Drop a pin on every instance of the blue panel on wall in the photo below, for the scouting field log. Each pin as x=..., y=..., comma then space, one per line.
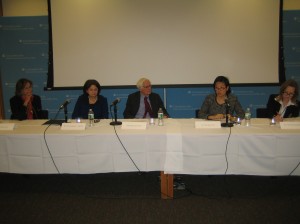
x=24, y=53
x=291, y=35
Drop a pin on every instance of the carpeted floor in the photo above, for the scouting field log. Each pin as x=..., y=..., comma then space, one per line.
x=135, y=198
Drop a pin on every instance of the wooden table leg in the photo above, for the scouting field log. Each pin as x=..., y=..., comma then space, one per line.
x=166, y=185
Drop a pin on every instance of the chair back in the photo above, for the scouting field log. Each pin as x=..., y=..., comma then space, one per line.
x=196, y=113
x=261, y=113
x=44, y=114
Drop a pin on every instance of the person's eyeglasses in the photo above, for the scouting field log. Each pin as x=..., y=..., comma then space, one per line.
x=146, y=87
x=288, y=94
x=221, y=88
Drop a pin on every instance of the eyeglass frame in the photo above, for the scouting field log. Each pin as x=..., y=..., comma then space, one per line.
x=289, y=94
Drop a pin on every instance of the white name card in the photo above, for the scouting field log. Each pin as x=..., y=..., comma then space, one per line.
x=134, y=125
x=73, y=126
x=289, y=125
x=207, y=124
x=7, y=126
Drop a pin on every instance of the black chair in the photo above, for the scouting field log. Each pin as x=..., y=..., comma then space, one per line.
x=196, y=113
x=43, y=114
x=262, y=113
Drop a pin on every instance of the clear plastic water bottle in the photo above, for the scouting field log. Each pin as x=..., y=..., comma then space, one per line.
x=91, y=117
x=248, y=117
x=160, y=117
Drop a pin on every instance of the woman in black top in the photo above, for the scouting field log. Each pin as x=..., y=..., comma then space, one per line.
x=91, y=99
x=25, y=105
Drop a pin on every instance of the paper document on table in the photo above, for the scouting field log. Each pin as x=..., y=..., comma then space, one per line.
x=7, y=126
x=73, y=126
x=207, y=124
x=134, y=125
x=289, y=125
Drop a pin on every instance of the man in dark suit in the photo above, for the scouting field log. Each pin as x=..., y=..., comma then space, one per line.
x=144, y=103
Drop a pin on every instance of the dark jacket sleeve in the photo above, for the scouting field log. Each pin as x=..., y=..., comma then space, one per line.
x=18, y=110
x=132, y=105
x=101, y=109
x=273, y=106
x=81, y=107
x=292, y=110
x=156, y=103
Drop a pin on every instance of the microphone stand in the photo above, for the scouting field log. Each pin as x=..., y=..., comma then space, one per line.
x=227, y=124
x=115, y=115
x=66, y=113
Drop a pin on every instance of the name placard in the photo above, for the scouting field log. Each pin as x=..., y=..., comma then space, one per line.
x=290, y=125
x=73, y=126
x=134, y=125
x=207, y=124
x=7, y=126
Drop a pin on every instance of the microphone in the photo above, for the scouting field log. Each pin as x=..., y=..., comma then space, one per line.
x=115, y=122
x=115, y=102
x=227, y=106
x=227, y=103
x=65, y=103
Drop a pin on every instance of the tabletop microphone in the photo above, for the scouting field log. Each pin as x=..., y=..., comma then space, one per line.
x=227, y=103
x=227, y=123
x=65, y=103
x=116, y=101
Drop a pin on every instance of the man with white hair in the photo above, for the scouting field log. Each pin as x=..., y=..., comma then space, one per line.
x=144, y=103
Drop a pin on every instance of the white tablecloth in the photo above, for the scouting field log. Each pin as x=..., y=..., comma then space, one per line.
x=177, y=147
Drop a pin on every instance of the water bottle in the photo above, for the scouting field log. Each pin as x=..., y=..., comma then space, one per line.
x=91, y=117
x=248, y=117
x=160, y=116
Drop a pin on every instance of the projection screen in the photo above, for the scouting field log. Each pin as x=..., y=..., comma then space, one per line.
x=172, y=42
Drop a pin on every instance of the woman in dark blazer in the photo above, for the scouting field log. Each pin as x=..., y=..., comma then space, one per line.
x=285, y=104
x=91, y=99
x=25, y=105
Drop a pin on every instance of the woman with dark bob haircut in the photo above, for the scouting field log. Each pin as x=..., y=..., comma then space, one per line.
x=91, y=99
x=214, y=106
x=25, y=105
x=285, y=104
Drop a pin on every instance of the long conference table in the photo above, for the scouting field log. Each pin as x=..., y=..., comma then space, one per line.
x=175, y=148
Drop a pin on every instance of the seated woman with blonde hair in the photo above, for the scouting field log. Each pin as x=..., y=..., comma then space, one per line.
x=284, y=104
